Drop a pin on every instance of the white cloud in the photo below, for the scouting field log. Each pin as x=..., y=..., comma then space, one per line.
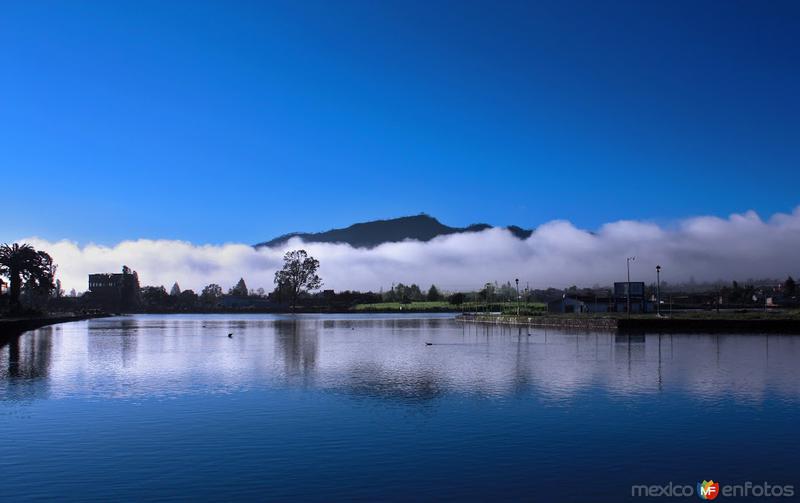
x=557, y=254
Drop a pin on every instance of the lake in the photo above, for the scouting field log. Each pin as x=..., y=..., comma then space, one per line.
x=386, y=407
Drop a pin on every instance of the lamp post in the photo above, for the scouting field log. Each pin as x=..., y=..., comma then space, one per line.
x=658, y=291
x=518, y=299
x=628, y=289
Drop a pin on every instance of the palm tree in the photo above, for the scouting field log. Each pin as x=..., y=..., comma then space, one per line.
x=18, y=262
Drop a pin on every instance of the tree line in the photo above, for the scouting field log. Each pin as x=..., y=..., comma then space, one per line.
x=32, y=286
x=295, y=280
x=31, y=276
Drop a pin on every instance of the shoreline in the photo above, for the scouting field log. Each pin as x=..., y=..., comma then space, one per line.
x=296, y=311
x=10, y=328
x=789, y=326
x=14, y=327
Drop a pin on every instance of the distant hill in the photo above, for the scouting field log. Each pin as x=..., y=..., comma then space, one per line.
x=370, y=234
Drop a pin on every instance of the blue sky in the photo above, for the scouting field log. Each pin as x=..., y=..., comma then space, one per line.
x=237, y=121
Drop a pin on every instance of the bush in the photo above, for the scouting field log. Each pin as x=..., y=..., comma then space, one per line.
x=457, y=299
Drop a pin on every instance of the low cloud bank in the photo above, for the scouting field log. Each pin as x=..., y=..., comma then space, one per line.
x=558, y=254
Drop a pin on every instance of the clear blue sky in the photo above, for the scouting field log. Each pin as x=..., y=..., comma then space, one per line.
x=238, y=121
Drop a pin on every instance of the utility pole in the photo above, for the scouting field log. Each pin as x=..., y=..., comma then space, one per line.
x=527, y=292
x=658, y=291
x=518, y=298
x=628, y=289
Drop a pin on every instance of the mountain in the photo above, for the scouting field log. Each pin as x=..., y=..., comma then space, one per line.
x=370, y=234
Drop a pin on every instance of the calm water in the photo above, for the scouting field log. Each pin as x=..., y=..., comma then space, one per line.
x=323, y=408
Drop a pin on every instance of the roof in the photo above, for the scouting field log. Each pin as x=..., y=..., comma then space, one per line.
x=586, y=299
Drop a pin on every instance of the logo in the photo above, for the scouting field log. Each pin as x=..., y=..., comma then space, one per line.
x=708, y=490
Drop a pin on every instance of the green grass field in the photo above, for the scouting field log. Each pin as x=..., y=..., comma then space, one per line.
x=439, y=306
x=414, y=306
x=711, y=314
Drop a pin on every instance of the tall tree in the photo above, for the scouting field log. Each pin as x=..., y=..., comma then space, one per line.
x=211, y=293
x=789, y=286
x=433, y=294
x=457, y=298
x=400, y=293
x=299, y=274
x=39, y=284
x=240, y=290
x=21, y=263
x=155, y=297
x=187, y=299
x=487, y=293
x=280, y=294
x=58, y=292
x=175, y=290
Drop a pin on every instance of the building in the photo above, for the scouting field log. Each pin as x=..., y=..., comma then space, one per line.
x=115, y=291
x=613, y=302
x=106, y=283
x=580, y=304
x=639, y=304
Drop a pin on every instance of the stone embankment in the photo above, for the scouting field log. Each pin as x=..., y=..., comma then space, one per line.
x=781, y=325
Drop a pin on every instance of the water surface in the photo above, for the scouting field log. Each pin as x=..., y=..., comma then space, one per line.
x=361, y=407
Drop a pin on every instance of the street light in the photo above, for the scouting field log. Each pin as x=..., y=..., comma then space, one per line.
x=658, y=290
x=517, y=282
x=628, y=261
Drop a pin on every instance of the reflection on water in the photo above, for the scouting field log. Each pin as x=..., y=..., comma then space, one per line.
x=25, y=365
x=28, y=357
x=383, y=357
x=381, y=407
x=298, y=346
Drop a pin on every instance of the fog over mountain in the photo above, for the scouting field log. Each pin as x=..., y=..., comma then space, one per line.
x=556, y=254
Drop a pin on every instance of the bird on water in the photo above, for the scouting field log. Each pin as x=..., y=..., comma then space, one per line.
x=230, y=336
